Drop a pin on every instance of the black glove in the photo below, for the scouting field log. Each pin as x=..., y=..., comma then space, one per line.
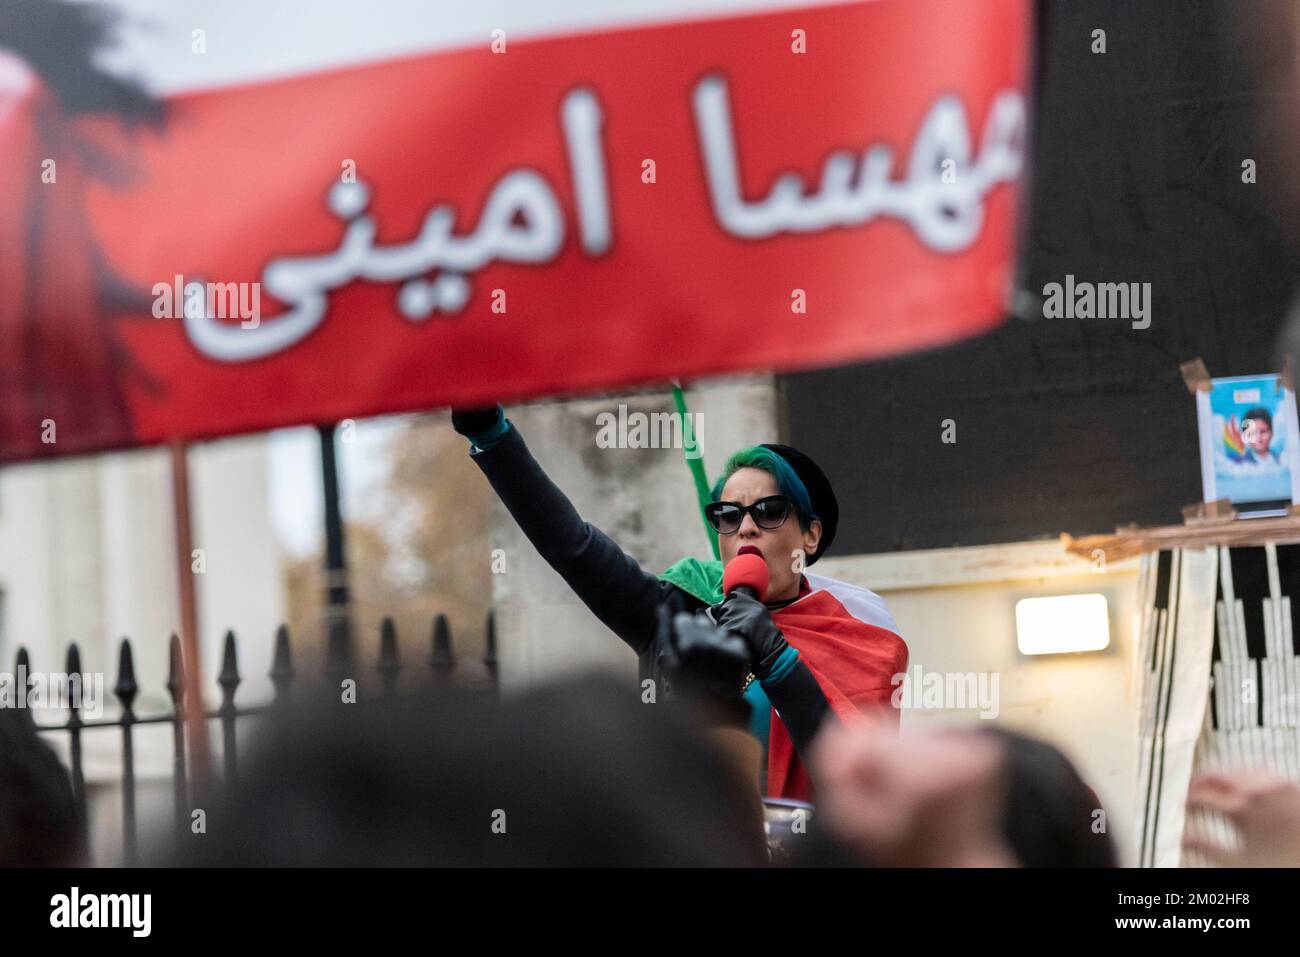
x=749, y=618
x=702, y=660
x=471, y=422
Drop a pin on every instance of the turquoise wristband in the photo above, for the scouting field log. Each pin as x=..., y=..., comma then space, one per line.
x=784, y=665
x=485, y=440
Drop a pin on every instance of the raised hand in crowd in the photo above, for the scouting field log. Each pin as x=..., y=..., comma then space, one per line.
x=1264, y=808
x=927, y=799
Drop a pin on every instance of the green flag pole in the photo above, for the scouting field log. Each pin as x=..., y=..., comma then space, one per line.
x=695, y=462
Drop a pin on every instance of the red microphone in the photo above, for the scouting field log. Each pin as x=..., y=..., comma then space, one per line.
x=747, y=571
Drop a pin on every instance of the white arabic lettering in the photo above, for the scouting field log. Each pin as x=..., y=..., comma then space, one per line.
x=946, y=216
x=306, y=281
x=582, y=120
x=523, y=222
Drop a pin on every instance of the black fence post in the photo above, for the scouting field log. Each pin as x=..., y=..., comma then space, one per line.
x=126, y=689
x=22, y=681
x=73, y=726
x=442, y=660
x=281, y=672
x=229, y=681
x=176, y=688
x=490, y=648
x=389, y=665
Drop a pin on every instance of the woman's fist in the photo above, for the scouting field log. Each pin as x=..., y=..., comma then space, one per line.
x=471, y=422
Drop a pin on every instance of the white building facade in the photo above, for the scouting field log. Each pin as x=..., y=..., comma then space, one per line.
x=87, y=555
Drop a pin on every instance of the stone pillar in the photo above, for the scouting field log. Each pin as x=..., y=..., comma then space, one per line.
x=643, y=498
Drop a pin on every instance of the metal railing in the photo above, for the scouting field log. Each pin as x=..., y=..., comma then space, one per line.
x=338, y=665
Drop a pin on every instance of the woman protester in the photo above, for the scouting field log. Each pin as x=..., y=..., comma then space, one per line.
x=817, y=645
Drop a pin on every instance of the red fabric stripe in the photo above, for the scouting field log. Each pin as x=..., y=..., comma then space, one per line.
x=852, y=661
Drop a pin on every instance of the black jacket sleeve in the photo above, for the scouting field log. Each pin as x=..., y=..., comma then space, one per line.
x=802, y=705
x=616, y=589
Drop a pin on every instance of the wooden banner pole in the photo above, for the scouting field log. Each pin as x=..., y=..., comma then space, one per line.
x=195, y=719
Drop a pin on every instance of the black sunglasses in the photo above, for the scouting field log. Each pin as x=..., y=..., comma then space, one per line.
x=768, y=513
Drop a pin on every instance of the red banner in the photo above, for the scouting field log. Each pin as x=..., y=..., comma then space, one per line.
x=774, y=191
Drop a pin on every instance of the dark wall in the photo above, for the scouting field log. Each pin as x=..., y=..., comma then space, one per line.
x=1081, y=425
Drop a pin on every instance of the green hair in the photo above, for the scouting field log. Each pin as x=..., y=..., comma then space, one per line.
x=788, y=482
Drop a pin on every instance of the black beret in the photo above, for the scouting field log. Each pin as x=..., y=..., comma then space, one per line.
x=819, y=493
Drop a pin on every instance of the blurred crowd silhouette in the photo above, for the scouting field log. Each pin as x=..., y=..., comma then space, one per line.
x=583, y=773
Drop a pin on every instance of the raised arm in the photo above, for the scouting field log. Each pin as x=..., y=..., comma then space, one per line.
x=609, y=582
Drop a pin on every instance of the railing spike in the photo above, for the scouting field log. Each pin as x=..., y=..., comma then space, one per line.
x=229, y=681
x=23, y=666
x=73, y=668
x=281, y=664
x=126, y=688
x=389, y=664
x=74, y=725
x=176, y=688
x=442, y=659
x=229, y=677
x=175, y=671
x=490, y=645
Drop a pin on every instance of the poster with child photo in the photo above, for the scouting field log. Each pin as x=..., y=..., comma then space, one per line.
x=1249, y=444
